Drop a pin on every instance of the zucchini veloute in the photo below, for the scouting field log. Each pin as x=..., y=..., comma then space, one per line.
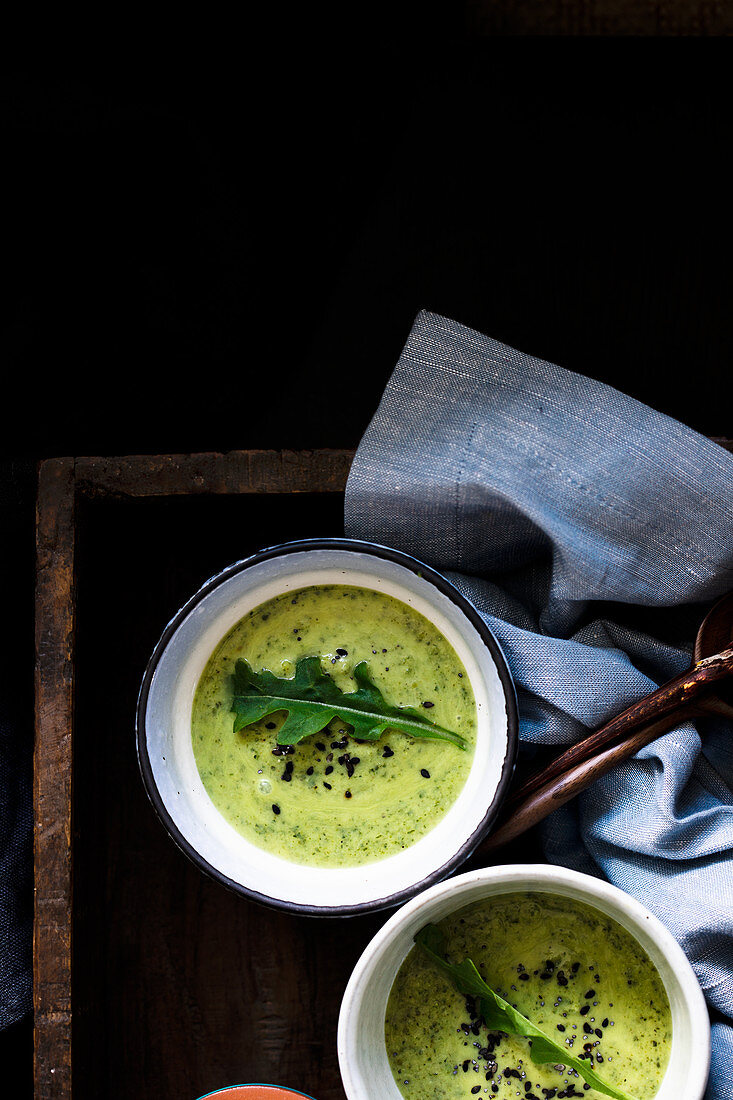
x=327, y=726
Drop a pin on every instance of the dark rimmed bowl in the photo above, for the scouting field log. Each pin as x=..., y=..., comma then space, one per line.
x=165, y=750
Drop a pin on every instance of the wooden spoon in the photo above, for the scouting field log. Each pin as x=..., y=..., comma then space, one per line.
x=699, y=691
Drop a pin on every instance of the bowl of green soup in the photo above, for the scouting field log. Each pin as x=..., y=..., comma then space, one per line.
x=523, y=980
x=327, y=726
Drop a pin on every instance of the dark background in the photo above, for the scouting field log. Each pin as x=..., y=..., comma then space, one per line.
x=201, y=258
x=223, y=243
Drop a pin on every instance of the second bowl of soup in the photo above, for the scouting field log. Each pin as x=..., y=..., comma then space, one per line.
x=531, y=981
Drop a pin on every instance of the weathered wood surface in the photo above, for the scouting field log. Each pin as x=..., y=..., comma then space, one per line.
x=599, y=17
x=52, y=778
x=257, y=471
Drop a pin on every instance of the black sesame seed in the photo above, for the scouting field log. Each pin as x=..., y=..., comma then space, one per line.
x=347, y=794
x=309, y=771
x=327, y=785
x=329, y=769
x=585, y=1010
x=387, y=752
x=342, y=652
x=286, y=777
x=320, y=746
x=425, y=773
x=604, y=1023
x=428, y=705
x=591, y=993
x=561, y=1027
x=275, y=808
x=599, y=1033
x=476, y=1088
x=524, y=977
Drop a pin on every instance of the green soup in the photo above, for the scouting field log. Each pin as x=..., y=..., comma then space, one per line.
x=572, y=971
x=330, y=800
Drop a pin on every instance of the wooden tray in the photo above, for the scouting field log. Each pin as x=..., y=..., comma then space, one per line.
x=149, y=978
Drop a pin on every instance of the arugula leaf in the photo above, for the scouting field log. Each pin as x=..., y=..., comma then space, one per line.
x=312, y=699
x=499, y=1015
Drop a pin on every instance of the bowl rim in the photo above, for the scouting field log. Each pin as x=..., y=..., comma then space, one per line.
x=448, y=589
x=535, y=877
x=282, y=1091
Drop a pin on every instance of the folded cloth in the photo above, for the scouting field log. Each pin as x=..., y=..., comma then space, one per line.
x=591, y=533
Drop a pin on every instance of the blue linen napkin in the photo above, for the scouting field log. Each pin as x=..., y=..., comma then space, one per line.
x=561, y=507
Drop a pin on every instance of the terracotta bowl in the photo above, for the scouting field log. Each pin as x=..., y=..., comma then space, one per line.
x=255, y=1092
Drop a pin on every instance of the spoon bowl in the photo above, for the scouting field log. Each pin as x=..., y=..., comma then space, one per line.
x=714, y=636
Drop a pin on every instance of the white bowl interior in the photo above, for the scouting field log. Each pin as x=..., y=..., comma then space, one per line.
x=170, y=750
x=362, y=1054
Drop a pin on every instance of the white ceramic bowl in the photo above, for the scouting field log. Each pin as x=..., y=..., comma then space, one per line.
x=362, y=1054
x=165, y=751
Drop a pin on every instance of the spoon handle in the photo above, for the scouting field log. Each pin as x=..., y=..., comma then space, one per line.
x=665, y=702
x=558, y=790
